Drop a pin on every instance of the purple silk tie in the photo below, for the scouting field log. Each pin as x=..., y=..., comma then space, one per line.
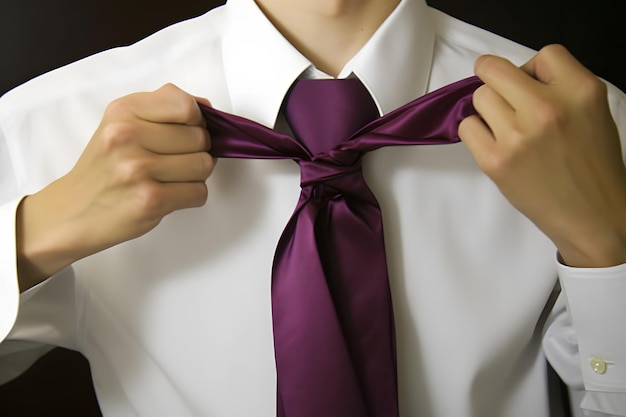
x=334, y=338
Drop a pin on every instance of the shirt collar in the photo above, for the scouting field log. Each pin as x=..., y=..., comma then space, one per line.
x=260, y=64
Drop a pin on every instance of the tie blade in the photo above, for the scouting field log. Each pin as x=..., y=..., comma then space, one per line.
x=315, y=375
x=333, y=320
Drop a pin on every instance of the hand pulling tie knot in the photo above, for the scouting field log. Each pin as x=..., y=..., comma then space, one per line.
x=334, y=337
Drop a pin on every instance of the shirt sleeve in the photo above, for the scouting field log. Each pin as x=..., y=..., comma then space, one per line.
x=42, y=316
x=9, y=201
x=15, y=356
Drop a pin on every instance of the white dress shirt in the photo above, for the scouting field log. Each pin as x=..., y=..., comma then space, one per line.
x=178, y=322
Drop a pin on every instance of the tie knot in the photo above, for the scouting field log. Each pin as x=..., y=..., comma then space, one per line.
x=324, y=113
x=322, y=181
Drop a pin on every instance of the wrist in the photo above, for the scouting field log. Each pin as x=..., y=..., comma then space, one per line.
x=599, y=251
x=47, y=239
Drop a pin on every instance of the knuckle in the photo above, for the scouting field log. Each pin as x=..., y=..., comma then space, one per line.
x=489, y=166
x=188, y=107
x=591, y=90
x=479, y=95
x=131, y=170
x=169, y=88
x=197, y=139
x=482, y=98
x=116, y=135
x=549, y=116
x=203, y=138
x=553, y=49
x=499, y=163
x=518, y=138
x=464, y=128
x=149, y=200
x=201, y=195
x=206, y=164
x=494, y=165
x=184, y=104
x=119, y=107
x=468, y=127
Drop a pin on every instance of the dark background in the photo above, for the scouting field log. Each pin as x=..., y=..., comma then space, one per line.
x=39, y=35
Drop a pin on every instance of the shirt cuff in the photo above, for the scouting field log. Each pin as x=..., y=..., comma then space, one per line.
x=9, y=287
x=596, y=300
x=604, y=404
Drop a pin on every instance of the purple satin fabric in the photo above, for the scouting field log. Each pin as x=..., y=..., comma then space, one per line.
x=331, y=304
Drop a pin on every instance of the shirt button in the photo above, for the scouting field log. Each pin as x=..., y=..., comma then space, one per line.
x=598, y=365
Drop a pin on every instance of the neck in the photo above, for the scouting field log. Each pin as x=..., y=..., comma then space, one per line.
x=328, y=32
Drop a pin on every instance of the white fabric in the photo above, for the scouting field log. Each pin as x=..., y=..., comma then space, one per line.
x=177, y=322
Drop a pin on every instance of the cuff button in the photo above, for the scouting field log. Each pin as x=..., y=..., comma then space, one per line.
x=598, y=365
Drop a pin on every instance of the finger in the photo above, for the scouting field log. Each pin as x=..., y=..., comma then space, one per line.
x=177, y=196
x=182, y=168
x=160, y=138
x=478, y=138
x=168, y=104
x=496, y=112
x=174, y=139
x=554, y=64
x=516, y=86
x=203, y=101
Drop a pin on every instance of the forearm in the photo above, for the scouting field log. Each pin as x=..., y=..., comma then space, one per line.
x=44, y=243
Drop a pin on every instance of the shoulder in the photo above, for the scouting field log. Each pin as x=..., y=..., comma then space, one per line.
x=473, y=40
x=464, y=42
